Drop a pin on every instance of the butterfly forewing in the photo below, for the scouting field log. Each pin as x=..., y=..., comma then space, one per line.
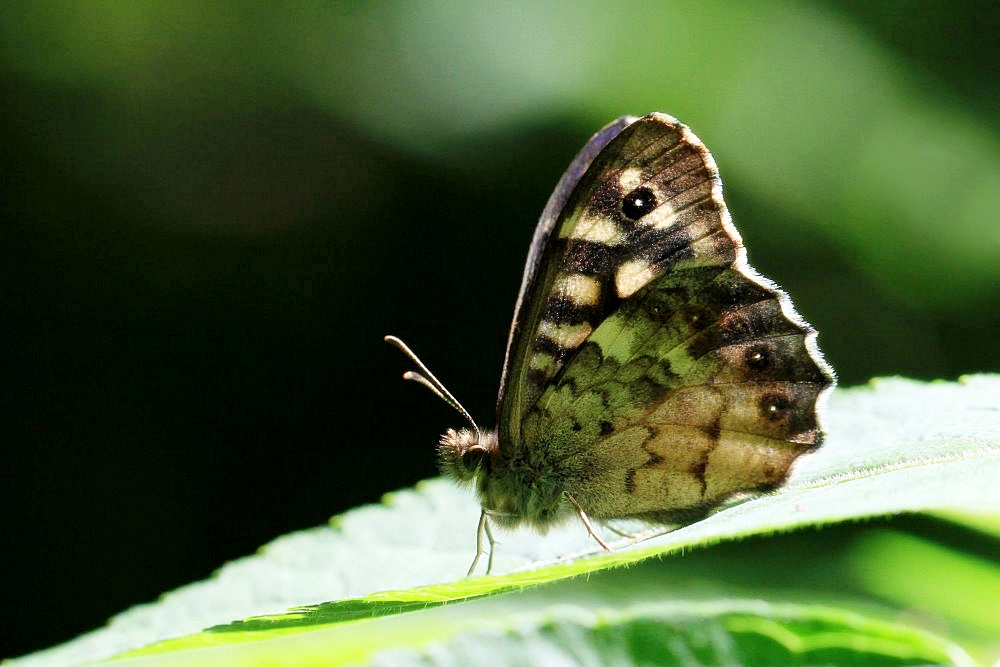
x=658, y=372
x=646, y=203
x=516, y=393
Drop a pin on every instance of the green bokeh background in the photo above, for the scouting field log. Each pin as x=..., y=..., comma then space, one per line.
x=214, y=212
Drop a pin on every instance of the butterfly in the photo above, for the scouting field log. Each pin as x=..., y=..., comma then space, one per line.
x=650, y=372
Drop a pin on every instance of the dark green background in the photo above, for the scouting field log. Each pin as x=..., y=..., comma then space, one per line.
x=213, y=214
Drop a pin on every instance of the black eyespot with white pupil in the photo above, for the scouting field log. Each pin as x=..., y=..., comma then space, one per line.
x=638, y=203
x=758, y=357
x=774, y=407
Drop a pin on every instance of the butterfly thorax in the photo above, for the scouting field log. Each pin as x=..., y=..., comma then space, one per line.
x=513, y=490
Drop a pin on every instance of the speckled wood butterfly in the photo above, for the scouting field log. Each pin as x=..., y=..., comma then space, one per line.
x=651, y=373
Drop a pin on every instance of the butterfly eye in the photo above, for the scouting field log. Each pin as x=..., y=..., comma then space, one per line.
x=638, y=203
x=473, y=458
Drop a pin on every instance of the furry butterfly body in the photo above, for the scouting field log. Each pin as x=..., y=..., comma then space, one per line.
x=650, y=373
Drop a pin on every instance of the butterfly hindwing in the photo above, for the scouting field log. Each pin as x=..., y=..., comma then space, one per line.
x=674, y=416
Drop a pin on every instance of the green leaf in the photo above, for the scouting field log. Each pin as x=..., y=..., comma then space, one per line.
x=895, y=446
x=727, y=631
x=964, y=586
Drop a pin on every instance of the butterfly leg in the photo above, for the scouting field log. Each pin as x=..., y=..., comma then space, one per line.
x=484, y=528
x=630, y=536
x=586, y=521
x=493, y=542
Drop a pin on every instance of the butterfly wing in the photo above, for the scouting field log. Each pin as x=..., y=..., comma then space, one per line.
x=653, y=367
x=516, y=392
x=569, y=279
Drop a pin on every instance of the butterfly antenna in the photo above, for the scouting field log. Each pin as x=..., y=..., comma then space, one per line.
x=426, y=378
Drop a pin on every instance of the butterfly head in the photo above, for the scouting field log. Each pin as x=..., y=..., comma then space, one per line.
x=466, y=453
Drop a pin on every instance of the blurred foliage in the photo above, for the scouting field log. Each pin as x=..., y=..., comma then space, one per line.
x=214, y=211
